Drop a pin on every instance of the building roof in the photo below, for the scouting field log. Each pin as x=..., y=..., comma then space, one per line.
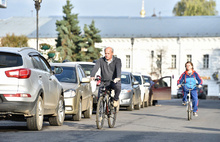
x=120, y=27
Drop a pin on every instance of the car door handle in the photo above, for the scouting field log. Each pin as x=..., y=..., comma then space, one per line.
x=40, y=76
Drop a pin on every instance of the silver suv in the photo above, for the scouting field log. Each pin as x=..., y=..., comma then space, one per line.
x=28, y=88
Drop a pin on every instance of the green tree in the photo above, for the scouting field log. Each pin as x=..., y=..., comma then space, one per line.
x=14, y=41
x=91, y=37
x=69, y=41
x=195, y=8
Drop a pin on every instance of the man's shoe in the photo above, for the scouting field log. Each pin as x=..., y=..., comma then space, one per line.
x=116, y=103
x=184, y=103
x=195, y=114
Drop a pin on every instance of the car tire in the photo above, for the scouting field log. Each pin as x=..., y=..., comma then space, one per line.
x=60, y=114
x=143, y=103
x=138, y=106
x=88, y=112
x=36, y=122
x=131, y=106
x=78, y=116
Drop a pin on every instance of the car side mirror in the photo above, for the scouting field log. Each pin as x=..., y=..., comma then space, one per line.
x=57, y=70
x=135, y=83
x=85, y=80
x=147, y=84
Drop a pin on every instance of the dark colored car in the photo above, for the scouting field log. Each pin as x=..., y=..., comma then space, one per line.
x=202, y=93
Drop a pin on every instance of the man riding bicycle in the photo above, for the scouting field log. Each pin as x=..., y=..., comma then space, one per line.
x=189, y=78
x=110, y=70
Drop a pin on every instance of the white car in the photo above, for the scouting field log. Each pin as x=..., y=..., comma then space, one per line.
x=144, y=86
x=29, y=89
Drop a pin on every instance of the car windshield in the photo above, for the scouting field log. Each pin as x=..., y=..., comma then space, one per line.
x=146, y=79
x=138, y=78
x=125, y=79
x=10, y=60
x=68, y=75
x=87, y=68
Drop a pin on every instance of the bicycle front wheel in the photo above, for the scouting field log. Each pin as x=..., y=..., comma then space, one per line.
x=100, y=113
x=189, y=111
x=112, y=114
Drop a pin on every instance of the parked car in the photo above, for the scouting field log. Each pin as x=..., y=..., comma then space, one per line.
x=144, y=86
x=130, y=96
x=88, y=67
x=148, y=79
x=28, y=88
x=202, y=93
x=77, y=90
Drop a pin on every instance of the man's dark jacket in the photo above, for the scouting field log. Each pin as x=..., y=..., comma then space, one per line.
x=108, y=71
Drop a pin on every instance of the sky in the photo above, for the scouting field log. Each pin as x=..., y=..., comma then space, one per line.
x=131, y=8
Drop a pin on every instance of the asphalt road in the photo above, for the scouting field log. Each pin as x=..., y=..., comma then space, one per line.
x=164, y=123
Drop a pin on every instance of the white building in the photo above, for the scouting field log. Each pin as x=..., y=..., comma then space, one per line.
x=172, y=40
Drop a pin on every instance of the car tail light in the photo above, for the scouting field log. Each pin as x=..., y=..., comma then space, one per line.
x=19, y=73
x=23, y=95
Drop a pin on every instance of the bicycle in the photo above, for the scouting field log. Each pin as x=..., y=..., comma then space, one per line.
x=189, y=106
x=105, y=108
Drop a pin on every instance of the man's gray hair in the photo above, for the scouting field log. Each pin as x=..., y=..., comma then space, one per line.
x=109, y=47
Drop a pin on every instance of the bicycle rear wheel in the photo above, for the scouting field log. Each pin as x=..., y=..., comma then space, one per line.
x=100, y=113
x=112, y=114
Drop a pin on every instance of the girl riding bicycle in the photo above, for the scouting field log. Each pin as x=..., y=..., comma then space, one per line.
x=189, y=78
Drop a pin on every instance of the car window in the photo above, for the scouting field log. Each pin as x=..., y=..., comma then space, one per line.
x=68, y=75
x=80, y=74
x=10, y=60
x=45, y=65
x=125, y=79
x=164, y=82
x=138, y=78
x=36, y=62
x=87, y=68
x=146, y=79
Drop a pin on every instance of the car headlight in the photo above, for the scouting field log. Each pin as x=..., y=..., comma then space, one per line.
x=125, y=91
x=69, y=93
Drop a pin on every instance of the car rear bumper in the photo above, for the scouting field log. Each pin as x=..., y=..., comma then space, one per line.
x=15, y=107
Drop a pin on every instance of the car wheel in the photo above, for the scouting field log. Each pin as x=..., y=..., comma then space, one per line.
x=78, y=116
x=88, y=112
x=138, y=106
x=142, y=103
x=131, y=106
x=36, y=122
x=60, y=114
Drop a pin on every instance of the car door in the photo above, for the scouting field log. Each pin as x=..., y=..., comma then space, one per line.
x=82, y=88
x=136, y=89
x=54, y=91
x=162, y=89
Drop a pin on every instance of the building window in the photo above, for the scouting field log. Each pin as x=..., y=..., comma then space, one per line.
x=173, y=61
x=128, y=61
x=189, y=58
x=206, y=61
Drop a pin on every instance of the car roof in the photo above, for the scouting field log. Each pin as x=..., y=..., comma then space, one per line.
x=137, y=74
x=15, y=49
x=68, y=64
x=88, y=63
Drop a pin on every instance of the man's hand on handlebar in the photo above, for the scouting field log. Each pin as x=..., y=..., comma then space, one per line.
x=179, y=85
x=116, y=80
x=92, y=78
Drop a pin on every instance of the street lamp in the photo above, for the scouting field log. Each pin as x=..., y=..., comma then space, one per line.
x=37, y=7
x=132, y=43
x=178, y=42
x=152, y=58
